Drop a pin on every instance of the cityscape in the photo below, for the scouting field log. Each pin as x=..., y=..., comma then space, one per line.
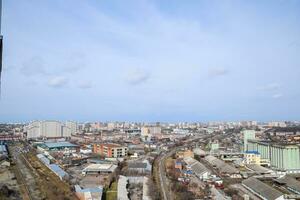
x=149, y=100
x=133, y=160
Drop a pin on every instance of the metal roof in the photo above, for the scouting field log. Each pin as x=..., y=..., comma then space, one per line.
x=221, y=165
x=258, y=168
x=57, y=170
x=291, y=183
x=59, y=144
x=197, y=167
x=261, y=188
x=3, y=148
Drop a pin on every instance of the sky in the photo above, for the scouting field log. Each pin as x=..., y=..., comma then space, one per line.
x=150, y=60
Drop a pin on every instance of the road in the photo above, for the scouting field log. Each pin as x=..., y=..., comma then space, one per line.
x=162, y=175
x=24, y=174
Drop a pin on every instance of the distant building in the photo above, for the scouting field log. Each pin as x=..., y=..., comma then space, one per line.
x=147, y=132
x=283, y=157
x=252, y=157
x=185, y=154
x=72, y=126
x=248, y=134
x=277, y=124
x=49, y=129
x=110, y=150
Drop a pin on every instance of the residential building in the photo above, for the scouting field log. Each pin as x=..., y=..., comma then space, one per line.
x=110, y=150
x=49, y=129
x=147, y=132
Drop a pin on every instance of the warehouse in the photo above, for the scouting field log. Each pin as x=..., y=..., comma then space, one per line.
x=223, y=167
x=290, y=183
x=259, y=169
x=198, y=168
x=262, y=190
x=58, y=146
x=99, y=169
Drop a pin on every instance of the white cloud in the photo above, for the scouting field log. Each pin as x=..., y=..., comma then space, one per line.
x=277, y=96
x=85, y=85
x=270, y=87
x=137, y=76
x=218, y=72
x=58, y=82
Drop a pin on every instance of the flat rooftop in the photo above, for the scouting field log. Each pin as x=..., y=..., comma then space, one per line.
x=59, y=144
x=100, y=167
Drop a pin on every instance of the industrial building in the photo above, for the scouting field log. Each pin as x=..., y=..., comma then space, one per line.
x=290, y=183
x=198, y=168
x=223, y=167
x=282, y=157
x=99, y=169
x=262, y=190
x=248, y=134
x=50, y=129
x=94, y=193
x=140, y=167
x=110, y=150
x=53, y=167
x=58, y=146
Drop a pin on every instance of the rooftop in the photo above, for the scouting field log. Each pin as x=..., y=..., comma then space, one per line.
x=290, y=182
x=100, y=167
x=252, y=152
x=59, y=144
x=261, y=188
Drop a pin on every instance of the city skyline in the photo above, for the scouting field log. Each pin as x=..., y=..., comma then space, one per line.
x=150, y=61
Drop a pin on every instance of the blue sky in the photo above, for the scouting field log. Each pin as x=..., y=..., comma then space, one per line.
x=151, y=60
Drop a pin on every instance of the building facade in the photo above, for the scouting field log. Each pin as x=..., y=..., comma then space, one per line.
x=248, y=134
x=282, y=157
x=49, y=129
x=110, y=150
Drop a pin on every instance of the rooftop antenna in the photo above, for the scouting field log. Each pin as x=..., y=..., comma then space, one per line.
x=1, y=44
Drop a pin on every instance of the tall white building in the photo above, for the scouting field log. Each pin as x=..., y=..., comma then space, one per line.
x=248, y=135
x=72, y=126
x=49, y=129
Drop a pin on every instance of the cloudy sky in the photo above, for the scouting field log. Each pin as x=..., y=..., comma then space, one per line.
x=140, y=60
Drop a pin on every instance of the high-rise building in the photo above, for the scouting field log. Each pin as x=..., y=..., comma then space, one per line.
x=72, y=126
x=49, y=129
x=147, y=132
x=248, y=134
